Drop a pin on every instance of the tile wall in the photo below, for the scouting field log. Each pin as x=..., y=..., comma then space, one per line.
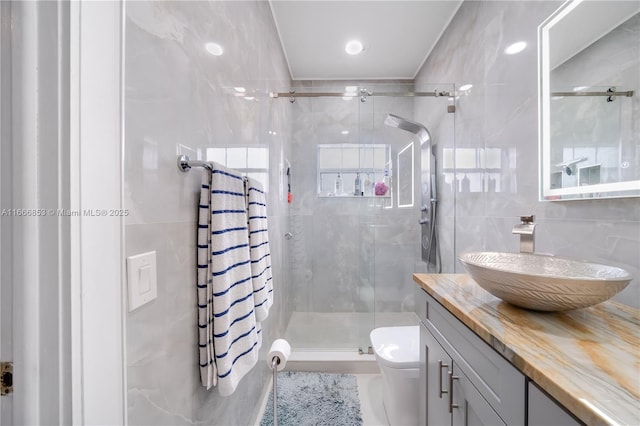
x=180, y=99
x=498, y=117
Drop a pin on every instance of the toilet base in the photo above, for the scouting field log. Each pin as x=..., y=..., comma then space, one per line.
x=400, y=395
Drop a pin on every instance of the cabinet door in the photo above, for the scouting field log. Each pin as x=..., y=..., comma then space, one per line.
x=468, y=407
x=544, y=411
x=434, y=368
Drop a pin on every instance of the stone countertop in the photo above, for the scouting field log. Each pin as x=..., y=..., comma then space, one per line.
x=587, y=359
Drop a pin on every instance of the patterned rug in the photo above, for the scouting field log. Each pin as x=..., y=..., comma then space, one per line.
x=306, y=399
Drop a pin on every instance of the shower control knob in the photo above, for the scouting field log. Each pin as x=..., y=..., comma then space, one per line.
x=423, y=221
x=424, y=208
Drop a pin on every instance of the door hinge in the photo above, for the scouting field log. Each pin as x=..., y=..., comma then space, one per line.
x=6, y=378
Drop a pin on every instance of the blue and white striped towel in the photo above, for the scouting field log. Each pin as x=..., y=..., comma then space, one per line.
x=261, y=274
x=230, y=307
x=208, y=372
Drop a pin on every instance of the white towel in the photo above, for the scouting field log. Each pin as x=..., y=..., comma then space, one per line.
x=261, y=275
x=234, y=331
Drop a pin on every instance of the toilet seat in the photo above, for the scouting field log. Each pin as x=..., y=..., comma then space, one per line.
x=397, y=347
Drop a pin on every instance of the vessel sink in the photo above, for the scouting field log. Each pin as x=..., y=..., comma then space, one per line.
x=544, y=282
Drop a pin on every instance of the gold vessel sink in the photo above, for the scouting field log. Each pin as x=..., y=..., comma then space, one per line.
x=544, y=282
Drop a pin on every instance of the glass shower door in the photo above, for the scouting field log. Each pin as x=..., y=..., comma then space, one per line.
x=354, y=249
x=331, y=250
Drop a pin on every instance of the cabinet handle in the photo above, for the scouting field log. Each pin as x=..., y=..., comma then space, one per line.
x=441, y=365
x=451, y=379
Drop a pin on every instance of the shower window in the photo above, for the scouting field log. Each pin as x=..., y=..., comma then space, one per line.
x=354, y=170
x=487, y=169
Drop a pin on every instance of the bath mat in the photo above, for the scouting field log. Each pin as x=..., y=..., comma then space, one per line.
x=306, y=399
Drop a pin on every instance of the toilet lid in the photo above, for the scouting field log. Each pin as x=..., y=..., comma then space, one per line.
x=397, y=347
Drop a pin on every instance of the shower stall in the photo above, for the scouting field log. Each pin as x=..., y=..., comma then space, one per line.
x=364, y=206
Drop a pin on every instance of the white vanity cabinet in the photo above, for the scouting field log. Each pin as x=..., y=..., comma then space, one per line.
x=463, y=380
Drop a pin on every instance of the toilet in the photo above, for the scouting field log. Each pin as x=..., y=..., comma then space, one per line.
x=397, y=351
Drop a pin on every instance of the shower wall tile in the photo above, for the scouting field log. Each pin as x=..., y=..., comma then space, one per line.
x=181, y=100
x=500, y=112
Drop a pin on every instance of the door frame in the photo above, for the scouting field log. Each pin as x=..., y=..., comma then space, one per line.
x=6, y=306
x=96, y=147
x=65, y=152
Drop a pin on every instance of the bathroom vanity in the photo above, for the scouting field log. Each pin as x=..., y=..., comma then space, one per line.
x=484, y=361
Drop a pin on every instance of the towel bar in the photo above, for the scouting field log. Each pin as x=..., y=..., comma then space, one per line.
x=185, y=164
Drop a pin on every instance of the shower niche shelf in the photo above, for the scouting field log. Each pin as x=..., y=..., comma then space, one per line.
x=341, y=165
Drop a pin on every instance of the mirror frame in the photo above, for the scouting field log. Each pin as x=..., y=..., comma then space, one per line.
x=606, y=190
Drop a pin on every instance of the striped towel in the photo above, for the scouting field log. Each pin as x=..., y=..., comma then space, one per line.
x=225, y=307
x=208, y=372
x=261, y=274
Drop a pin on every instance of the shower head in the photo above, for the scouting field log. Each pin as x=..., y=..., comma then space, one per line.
x=410, y=126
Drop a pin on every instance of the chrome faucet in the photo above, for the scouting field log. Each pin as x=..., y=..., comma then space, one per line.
x=526, y=231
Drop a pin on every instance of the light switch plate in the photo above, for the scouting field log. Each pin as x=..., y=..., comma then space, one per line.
x=141, y=279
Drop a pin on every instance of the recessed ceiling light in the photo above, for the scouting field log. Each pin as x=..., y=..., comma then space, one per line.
x=214, y=48
x=516, y=47
x=353, y=47
x=345, y=132
x=465, y=87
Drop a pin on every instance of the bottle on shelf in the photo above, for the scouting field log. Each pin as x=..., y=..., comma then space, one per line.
x=339, y=185
x=358, y=186
x=368, y=186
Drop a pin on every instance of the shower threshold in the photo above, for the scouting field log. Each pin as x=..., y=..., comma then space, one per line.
x=333, y=362
x=329, y=341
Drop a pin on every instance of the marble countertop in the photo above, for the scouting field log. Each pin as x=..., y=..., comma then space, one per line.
x=587, y=359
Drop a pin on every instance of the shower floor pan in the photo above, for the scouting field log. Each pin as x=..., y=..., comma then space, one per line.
x=329, y=342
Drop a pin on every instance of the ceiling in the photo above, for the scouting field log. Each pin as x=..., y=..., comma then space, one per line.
x=397, y=36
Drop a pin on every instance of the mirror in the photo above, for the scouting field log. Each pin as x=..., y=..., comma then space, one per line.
x=589, y=100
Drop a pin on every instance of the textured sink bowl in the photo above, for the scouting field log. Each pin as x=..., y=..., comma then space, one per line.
x=543, y=282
